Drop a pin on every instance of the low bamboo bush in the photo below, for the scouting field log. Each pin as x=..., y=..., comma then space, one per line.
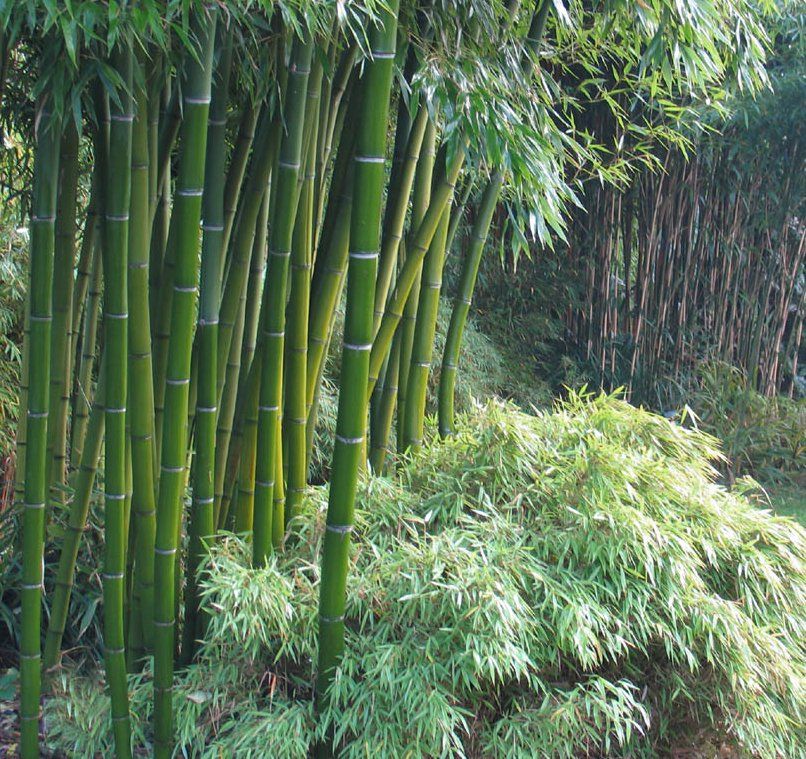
x=762, y=436
x=569, y=583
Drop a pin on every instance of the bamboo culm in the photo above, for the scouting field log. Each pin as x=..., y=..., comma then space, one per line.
x=187, y=212
x=273, y=327
x=358, y=332
x=115, y=254
x=43, y=217
x=461, y=306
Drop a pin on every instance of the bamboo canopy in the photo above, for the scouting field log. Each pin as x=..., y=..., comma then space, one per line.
x=212, y=181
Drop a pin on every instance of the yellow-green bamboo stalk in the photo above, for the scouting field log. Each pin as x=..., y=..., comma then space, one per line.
x=187, y=210
x=285, y=187
x=352, y=415
x=115, y=253
x=43, y=218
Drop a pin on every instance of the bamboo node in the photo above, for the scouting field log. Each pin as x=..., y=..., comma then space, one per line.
x=331, y=620
x=117, y=217
x=115, y=496
x=175, y=382
x=112, y=575
x=37, y=414
x=341, y=529
x=165, y=551
x=350, y=440
x=364, y=254
x=268, y=409
x=358, y=346
x=190, y=192
x=370, y=159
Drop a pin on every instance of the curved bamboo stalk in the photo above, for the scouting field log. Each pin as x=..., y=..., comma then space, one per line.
x=76, y=522
x=423, y=342
x=443, y=189
x=461, y=306
x=422, y=196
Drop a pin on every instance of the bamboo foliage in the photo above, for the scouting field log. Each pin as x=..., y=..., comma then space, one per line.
x=238, y=198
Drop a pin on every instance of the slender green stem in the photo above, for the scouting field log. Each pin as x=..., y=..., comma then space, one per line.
x=202, y=527
x=423, y=343
x=461, y=305
x=60, y=353
x=352, y=415
x=76, y=522
x=187, y=211
x=43, y=217
x=141, y=388
x=280, y=238
x=115, y=253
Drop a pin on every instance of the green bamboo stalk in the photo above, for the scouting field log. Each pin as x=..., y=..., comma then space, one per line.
x=233, y=389
x=470, y=268
x=243, y=237
x=461, y=305
x=422, y=196
x=141, y=388
x=288, y=169
x=115, y=255
x=202, y=527
x=77, y=519
x=386, y=408
x=237, y=169
x=295, y=409
x=352, y=414
x=397, y=206
x=20, y=440
x=43, y=217
x=424, y=330
x=85, y=259
x=61, y=342
x=296, y=358
x=89, y=338
x=187, y=210
x=441, y=194
x=244, y=512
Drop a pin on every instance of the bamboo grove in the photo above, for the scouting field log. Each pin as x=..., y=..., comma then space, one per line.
x=702, y=260
x=211, y=183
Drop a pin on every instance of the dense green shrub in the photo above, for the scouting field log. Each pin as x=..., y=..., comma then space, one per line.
x=762, y=436
x=553, y=585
